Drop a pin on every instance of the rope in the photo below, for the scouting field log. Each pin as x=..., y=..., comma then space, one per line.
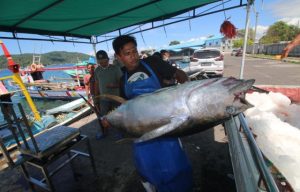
x=190, y=22
x=107, y=47
x=165, y=28
x=224, y=10
x=142, y=36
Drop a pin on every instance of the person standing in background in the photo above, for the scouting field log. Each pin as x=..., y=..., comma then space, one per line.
x=5, y=96
x=87, y=80
x=107, y=78
x=37, y=71
x=165, y=56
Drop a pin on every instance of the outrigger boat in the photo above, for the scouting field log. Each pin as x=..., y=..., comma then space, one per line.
x=62, y=89
x=55, y=91
x=57, y=88
x=62, y=115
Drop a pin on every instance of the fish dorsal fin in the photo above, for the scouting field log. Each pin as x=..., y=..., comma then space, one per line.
x=175, y=122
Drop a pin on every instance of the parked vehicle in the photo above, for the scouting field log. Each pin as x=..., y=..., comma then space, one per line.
x=210, y=60
x=185, y=59
x=233, y=52
x=239, y=53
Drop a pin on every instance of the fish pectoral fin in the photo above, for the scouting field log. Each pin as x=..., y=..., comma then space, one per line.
x=175, y=122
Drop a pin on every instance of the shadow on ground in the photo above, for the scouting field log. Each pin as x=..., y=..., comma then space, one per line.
x=207, y=151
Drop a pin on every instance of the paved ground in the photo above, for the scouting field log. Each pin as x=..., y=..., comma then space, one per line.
x=264, y=71
x=208, y=151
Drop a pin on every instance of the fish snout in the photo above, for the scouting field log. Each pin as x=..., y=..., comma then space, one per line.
x=239, y=91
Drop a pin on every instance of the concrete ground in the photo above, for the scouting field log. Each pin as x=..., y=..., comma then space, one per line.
x=207, y=151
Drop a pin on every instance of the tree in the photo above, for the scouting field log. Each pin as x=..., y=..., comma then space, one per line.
x=280, y=31
x=241, y=33
x=55, y=57
x=174, y=43
x=240, y=42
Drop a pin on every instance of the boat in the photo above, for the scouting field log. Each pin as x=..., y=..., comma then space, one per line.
x=54, y=88
x=62, y=115
x=80, y=68
x=55, y=91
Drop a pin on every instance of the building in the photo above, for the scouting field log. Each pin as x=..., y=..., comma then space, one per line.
x=219, y=42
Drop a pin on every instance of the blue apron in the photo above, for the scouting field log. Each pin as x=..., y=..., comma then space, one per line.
x=142, y=86
x=161, y=161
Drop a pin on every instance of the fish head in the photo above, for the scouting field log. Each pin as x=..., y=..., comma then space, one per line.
x=238, y=89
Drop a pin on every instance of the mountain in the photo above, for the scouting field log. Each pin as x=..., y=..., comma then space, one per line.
x=55, y=57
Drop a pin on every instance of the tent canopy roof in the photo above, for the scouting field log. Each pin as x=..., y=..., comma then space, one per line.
x=87, y=18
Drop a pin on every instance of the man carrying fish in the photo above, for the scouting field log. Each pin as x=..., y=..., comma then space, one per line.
x=155, y=116
x=161, y=162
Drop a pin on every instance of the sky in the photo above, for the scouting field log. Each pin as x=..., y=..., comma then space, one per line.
x=269, y=11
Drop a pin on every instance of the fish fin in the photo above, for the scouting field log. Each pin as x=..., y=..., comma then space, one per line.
x=175, y=122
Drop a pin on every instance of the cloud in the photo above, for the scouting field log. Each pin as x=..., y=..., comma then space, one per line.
x=194, y=39
x=284, y=8
x=91, y=53
x=292, y=21
x=260, y=30
x=146, y=48
x=110, y=52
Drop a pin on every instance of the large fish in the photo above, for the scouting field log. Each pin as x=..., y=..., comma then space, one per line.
x=183, y=109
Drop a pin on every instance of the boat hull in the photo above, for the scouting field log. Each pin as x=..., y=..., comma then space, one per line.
x=57, y=94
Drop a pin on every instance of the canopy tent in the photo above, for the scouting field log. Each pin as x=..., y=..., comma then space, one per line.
x=68, y=20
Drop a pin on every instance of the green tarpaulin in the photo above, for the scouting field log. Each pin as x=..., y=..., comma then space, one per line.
x=86, y=18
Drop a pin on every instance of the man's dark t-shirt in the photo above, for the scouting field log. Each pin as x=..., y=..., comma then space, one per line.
x=37, y=75
x=162, y=69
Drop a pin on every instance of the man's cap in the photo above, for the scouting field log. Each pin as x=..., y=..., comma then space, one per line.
x=101, y=55
x=163, y=51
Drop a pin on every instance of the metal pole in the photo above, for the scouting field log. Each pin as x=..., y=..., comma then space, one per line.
x=255, y=32
x=269, y=180
x=245, y=40
x=94, y=42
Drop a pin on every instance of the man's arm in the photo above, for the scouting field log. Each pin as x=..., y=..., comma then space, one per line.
x=167, y=71
x=290, y=46
x=181, y=76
